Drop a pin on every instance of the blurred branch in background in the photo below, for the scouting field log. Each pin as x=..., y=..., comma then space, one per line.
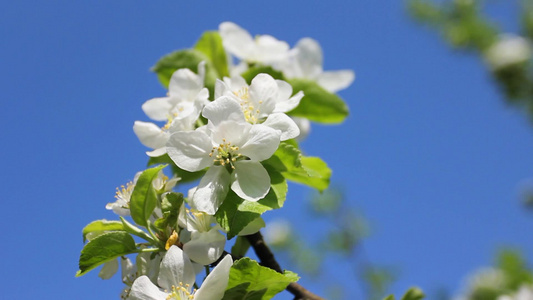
x=342, y=240
x=464, y=25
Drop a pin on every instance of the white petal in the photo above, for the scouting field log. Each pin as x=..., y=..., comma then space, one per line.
x=184, y=85
x=236, y=40
x=284, y=124
x=205, y=247
x=270, y=49
x=261, y=142
x=288, y=104
x=109, y=269
x=334, y=81
x=265, y=89
x=250, y=180
x=190, y=150
x=212, y=190
x=223, y=109
x=176, y=267
x=215, y=284
x=150, y=134
x=309, y=58
x=157, y=152
x=232, y=132
x=144, y=289
x=146, y=264
x=253, y=227
x=157, y=108
x=129, y=270
x=220, y=88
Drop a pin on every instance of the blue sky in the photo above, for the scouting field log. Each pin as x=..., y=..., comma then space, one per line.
x=430, y=153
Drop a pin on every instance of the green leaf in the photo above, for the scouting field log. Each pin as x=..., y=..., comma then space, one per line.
x=99, y=226
x=189, y=59
x=144, y=197
x=170, y=207
x=185, y=176
x=253, y=71
x=389, y=297
x=413, y=293
x=235, y=213
x=210, y=44
x=311, y=171
x=318, y=104
x=104, y=248
x=250, y=281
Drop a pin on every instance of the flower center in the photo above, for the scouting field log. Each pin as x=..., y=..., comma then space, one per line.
x=181, y=292
x=201, y=221
x=251, y=113
x=225, y=154
x=124, y=193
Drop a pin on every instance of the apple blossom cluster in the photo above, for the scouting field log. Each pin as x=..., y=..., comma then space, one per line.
x=230, y=123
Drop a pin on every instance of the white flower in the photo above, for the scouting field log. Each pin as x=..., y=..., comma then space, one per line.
x=123, y=195
x=109, y=269
x=524, y=293
x=305, y=61
x=263, y=49
x=278, y=232
x=176, y=278
x=232, y=151
x=265, y=102
x=206, y=243
x=180, y=109
x=508, y=50
x=155, y=137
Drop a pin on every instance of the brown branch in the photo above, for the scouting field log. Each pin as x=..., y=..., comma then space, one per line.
x=267, y=259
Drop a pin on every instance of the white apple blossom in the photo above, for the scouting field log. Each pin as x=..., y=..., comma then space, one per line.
x=176, y=278
x=265, y=101
x=206, y=243
x=507, y=51
x=123, y=195
x=305, y=61
x=180, y=109
x=524, y=293
x=264, y=49
x=232, y=151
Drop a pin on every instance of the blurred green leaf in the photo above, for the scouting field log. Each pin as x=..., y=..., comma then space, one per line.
x=210, y=44
x=185, y=59
x=318, y=104
x=253, y=71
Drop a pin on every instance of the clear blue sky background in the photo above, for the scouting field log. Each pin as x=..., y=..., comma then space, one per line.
x=430, y=153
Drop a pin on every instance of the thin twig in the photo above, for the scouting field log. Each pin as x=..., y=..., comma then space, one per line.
x=267, y=259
